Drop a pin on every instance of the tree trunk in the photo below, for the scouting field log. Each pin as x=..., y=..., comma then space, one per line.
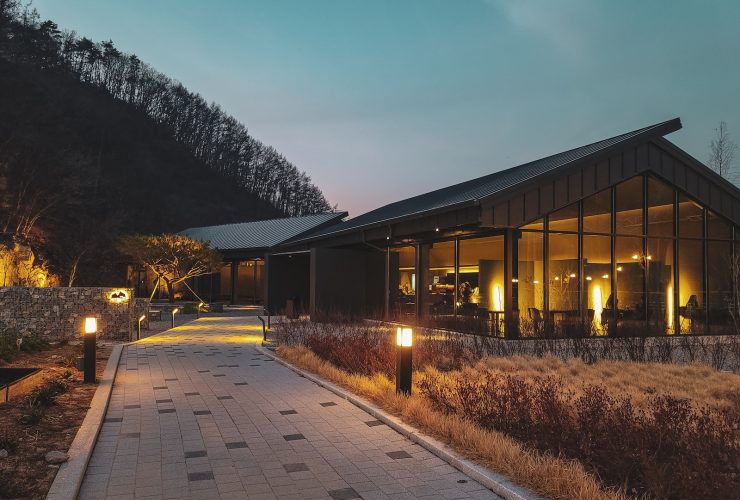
x=170, y=290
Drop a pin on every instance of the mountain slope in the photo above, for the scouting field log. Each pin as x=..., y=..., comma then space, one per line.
x=91, y=168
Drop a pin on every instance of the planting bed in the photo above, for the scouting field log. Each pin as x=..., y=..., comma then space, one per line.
x=566, y=429
x=25, y=473
x=17, y=381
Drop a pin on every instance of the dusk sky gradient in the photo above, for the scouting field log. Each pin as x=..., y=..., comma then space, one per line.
x=381, y=100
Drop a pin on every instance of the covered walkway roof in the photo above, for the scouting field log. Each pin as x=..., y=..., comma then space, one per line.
x=263, y=234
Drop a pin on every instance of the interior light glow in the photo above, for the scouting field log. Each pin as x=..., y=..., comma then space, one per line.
x=498, y=302
x=669, y=309
x=572, y=275
x=588, y=278
x=605, y=276
x=619, y=268
x=634, y=256
x=598, y=305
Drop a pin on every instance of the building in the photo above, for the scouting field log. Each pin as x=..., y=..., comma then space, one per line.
x=625, y=236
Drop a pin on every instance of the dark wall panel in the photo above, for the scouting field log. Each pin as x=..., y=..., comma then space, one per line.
x=347, y=281
x=560, y=195
x=602, y=175
x=501, y=214
x=616, y=168
x=287, y=277
x=516, y=210
x=531, y=205
x=574, y=187
x=589, y=179
x=546, y=197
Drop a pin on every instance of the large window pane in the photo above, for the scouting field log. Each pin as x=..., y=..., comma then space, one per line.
x=597, y=210
x=690, y=286
x=660, y=208
x=629, y=306
x=690, y=218
x=629, y=206
x=718, y=228
x=597, y=269
x=402, y=279
x=565, y=219
x=530, y=285
x=481, y=283
x=438, y=293
x=719, y=294
x=660, y=299
x=563, y=281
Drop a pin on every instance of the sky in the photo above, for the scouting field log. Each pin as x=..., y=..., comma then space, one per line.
x=385, y=99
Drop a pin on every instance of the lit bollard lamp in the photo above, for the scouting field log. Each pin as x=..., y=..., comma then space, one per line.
x=197, y=312
x=91, y=329
x=174, y=311
x=404, y=340
x=138, y=327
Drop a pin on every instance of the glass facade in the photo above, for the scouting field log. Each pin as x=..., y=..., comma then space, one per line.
x=640, y=258
x=531, y=284
x=402, y=282
x=438, y=283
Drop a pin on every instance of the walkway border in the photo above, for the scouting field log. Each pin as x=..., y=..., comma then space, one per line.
x=69, y=478
x=494, y=481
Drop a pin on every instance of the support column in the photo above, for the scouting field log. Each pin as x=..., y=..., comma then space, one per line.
x=511, y=285
x=234, y=274
x=387, y=297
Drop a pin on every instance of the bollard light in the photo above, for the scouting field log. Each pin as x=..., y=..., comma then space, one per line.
x=174, y=311
x=138, y=330
x=404, y=341
x=89, y=338
x=197, y=313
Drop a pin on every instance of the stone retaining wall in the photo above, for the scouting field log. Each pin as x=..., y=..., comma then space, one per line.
x=58, y=313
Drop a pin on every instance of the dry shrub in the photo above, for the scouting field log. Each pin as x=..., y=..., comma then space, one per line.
x=701, y=384
x=543, y=473
x=366, y=348
x=670, y=449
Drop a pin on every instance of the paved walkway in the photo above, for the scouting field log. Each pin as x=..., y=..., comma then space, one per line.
x=197, y=412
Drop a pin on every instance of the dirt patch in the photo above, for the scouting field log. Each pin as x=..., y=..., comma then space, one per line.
x=24, y=473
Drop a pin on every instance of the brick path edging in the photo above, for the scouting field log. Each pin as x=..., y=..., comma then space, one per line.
x=494, y=481
x=69, y=478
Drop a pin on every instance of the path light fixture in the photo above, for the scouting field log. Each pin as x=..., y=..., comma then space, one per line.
x=197, y=312
x=404, y=341
x=91, y=329
x=174, y=311
x=138, y=328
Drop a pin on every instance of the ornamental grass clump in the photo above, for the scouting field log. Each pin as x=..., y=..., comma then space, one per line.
x=672, y=448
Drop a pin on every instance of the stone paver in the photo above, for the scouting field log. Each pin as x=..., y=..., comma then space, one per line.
x=197, y=412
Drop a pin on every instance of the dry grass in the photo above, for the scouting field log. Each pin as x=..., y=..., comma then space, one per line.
x=547, y=475
x=700, y=384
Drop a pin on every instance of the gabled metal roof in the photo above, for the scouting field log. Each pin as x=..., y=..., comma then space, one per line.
x=262, y=234
x=472, y=191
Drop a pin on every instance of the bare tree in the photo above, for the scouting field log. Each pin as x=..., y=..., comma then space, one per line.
x=722, y=152
x=173, y=258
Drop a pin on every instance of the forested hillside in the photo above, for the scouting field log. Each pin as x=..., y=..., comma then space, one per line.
x=94, y=143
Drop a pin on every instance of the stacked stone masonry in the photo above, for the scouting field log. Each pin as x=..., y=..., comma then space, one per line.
x=58, y=313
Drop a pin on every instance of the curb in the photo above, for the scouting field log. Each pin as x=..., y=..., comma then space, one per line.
x=494, y=481
x=69, y=478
